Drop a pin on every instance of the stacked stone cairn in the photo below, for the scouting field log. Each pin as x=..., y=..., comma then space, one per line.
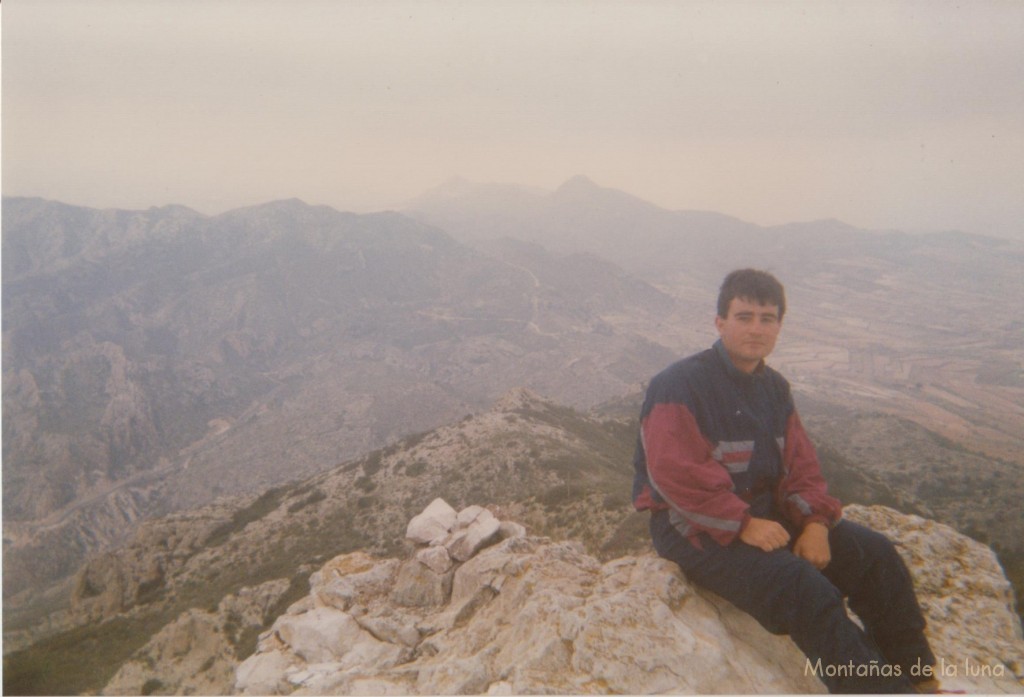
x=365, y=615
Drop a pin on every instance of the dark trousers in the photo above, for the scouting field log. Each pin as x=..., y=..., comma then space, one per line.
x=787, y=595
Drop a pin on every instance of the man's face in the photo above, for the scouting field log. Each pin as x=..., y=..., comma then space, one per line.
x=749, y=332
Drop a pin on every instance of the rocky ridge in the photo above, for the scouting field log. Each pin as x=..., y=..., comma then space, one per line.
x=561, y=472
x=197, y=653
x=477, y=606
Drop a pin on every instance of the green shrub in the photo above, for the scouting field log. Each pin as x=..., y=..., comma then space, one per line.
x=314, y=497
x=416, y=469
x=151, y=686
x=371, y=465
x=267, y=502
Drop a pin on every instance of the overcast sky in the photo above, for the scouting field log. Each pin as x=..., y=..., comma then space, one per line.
x=905, y=115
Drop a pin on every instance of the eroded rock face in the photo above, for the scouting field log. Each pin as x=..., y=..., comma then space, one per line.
x=112, y=583
x=525, y=615
x=529, y=616
x=196, y=654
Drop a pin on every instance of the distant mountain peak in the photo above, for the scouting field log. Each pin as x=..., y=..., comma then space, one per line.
x=583, y=190
x=284, y=205
x=292, y=203
x=175, y=210
x=578, y=183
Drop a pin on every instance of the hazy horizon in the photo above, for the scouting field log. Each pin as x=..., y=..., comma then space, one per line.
x=885, y=115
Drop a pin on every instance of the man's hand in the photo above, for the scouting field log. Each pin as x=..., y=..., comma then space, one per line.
x=765, y=534
x=813, y=546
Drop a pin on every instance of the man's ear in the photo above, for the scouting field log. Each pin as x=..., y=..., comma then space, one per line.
x=718, y=323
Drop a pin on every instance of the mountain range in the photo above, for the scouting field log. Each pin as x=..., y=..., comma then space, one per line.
x=159, y=361
x=155, y=360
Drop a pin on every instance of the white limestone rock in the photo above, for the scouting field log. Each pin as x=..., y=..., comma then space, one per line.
x=347, y=579
x=328, y=636
x=468, y=515
x=263, y=674
x=417, y=585
x=460, y=676
x=321, y=635
x=436, y=559
x=393, y=626
x=477, y=527
x=432, y=524
x=530, y=616
x=509, y=529
x=312, y=675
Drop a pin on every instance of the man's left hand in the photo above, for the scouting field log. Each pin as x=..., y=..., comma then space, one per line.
x=812, y=545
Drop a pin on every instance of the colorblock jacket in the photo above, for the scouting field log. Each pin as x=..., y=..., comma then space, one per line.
x=718, y=446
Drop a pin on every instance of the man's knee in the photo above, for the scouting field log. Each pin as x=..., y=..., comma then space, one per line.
x=869, y=543
x=859, y=551
x=799, y=598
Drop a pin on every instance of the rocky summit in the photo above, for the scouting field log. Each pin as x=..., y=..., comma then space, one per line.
x=478, y=606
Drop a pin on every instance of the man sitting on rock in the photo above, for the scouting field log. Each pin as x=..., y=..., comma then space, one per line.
x=738, y=501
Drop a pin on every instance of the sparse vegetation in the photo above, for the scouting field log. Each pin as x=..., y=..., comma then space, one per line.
x=150, y=591
x=411, y=441
x=315, y=496
x=416, y=468
x=372, y=463
x=151, y=687
x=264, y=504
x=576, y=486
x=66, y=664
x=298, y=587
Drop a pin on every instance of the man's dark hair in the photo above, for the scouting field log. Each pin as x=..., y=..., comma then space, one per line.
x=752, y=285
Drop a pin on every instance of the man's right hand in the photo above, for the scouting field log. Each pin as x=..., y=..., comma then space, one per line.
x=764, y=534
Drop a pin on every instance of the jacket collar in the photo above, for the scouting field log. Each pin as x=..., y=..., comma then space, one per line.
x=730, y=367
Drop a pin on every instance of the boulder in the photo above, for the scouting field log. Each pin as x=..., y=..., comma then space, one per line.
x=322, y=634
x=432, y=524
x=473, y=531
x=263, y=674
x=418, y=585
x=349, y=579
x=436, y=559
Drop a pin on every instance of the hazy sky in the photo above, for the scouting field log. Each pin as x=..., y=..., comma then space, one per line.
x=888, y=114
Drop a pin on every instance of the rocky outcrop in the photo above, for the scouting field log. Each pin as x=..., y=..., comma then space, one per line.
x=198, y=652
x=556, y=470
x=112, y=583
x=479, y=607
